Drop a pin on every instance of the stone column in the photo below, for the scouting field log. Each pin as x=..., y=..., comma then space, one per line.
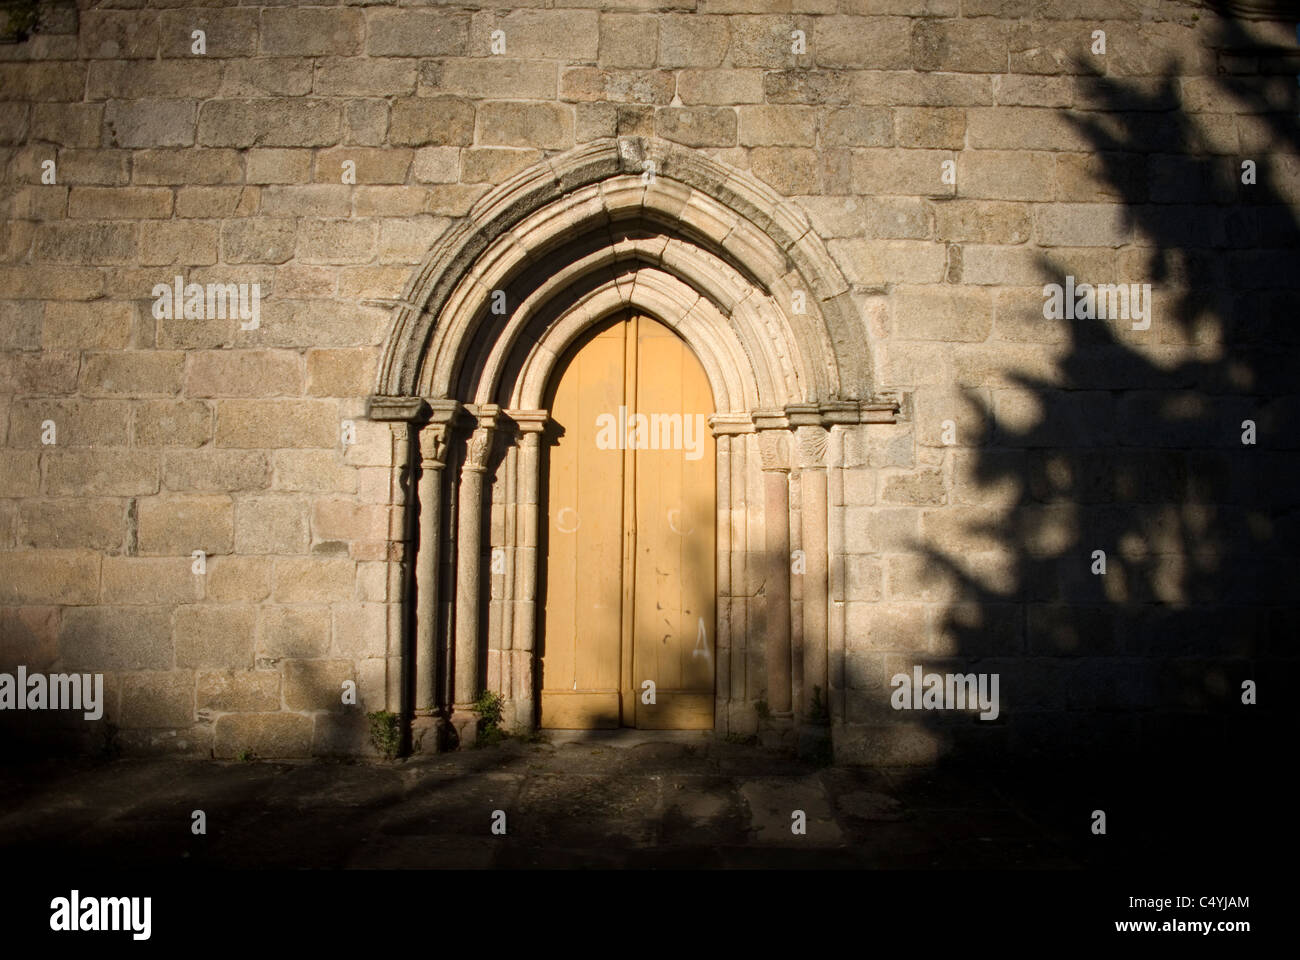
x=433, y=452
x=401, y=414
x=530, y=423
x=469, y=580
x=812, y=481
x=774, y=448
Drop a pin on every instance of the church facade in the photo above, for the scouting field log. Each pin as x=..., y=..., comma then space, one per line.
x=888, y=381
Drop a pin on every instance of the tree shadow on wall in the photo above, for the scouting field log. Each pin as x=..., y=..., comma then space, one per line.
x=1125, y=690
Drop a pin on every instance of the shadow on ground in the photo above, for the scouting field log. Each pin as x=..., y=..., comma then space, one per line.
x=699, y=804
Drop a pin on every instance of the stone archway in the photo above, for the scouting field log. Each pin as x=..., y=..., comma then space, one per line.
x=739, y=275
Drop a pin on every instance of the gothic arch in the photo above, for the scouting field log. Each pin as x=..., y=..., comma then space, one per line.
x=741, y=277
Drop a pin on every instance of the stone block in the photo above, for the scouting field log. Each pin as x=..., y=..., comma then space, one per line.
x=345, y=520
x=119, y=203
x=692, y=41
x=313, y=471
x=179, y=526
x=132, y=373
x=277, y=423
x=870, y=43
x=311, y=685
x=1083, y=225
x=930, y=127
x=878, y=262
x=95, y=524
x=216, y=470
x=118, y=34
x=179, y=242
x=232, y=579
x=271, y=525
x=790, y=170
x=237, y=691
x=116, y=638
x=157, y=699
x=263, y=240
x=697, y=126
x=628, y=40
x=49, y=576
x=488, y=78
x=440, y=122
x=243, y=373
x=267, y=735
x=271, y=122
x=109, y=242
x=360, y=629
x=313, y=579
x=149, y=123
x=20, y=473
x=293, y=632
x=545, y=125
x=111, y=473
x=312, y=32
x=900, y=172
x=214, y=636
x=939, y=313
x=970, y=221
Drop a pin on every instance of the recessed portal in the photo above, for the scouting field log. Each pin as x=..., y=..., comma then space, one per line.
x=628, y=623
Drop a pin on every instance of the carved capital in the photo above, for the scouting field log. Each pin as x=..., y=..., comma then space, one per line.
x=811, y=444
x=774, y=450
x=479, y=448
x=433, y=446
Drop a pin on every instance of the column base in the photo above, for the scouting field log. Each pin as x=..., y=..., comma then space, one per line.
x=464, y=727
x=427, y=732
x=777, y=731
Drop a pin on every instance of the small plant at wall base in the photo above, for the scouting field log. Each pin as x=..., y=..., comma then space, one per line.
x=20, y=18
x=488, y=709
x=385, y=732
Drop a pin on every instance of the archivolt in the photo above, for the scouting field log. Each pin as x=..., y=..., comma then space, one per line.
x=629, y=223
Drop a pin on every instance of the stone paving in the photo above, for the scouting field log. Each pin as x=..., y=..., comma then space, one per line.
x=625, y=801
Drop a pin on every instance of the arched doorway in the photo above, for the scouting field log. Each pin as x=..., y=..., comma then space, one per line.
x=734, y=272
x=627, y=623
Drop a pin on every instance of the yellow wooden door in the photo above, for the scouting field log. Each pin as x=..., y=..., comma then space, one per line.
x=629, y=611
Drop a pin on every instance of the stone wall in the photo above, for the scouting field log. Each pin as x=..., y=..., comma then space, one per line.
x=953, y=155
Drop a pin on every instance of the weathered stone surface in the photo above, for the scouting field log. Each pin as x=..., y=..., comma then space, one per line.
x=237, y=691
x=437, y=122
x=116, y=638
x=316, y=684
x=182, y=525
x=546, y=125
x=157, y=699
x=150, y=580
x=277, y=423
x=265, y=735
x=100, y=473
x=270, y=525
x=293, y=631
x=213, y=636
x=697, y=126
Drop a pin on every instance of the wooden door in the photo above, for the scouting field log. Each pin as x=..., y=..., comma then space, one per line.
x=630, y=536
